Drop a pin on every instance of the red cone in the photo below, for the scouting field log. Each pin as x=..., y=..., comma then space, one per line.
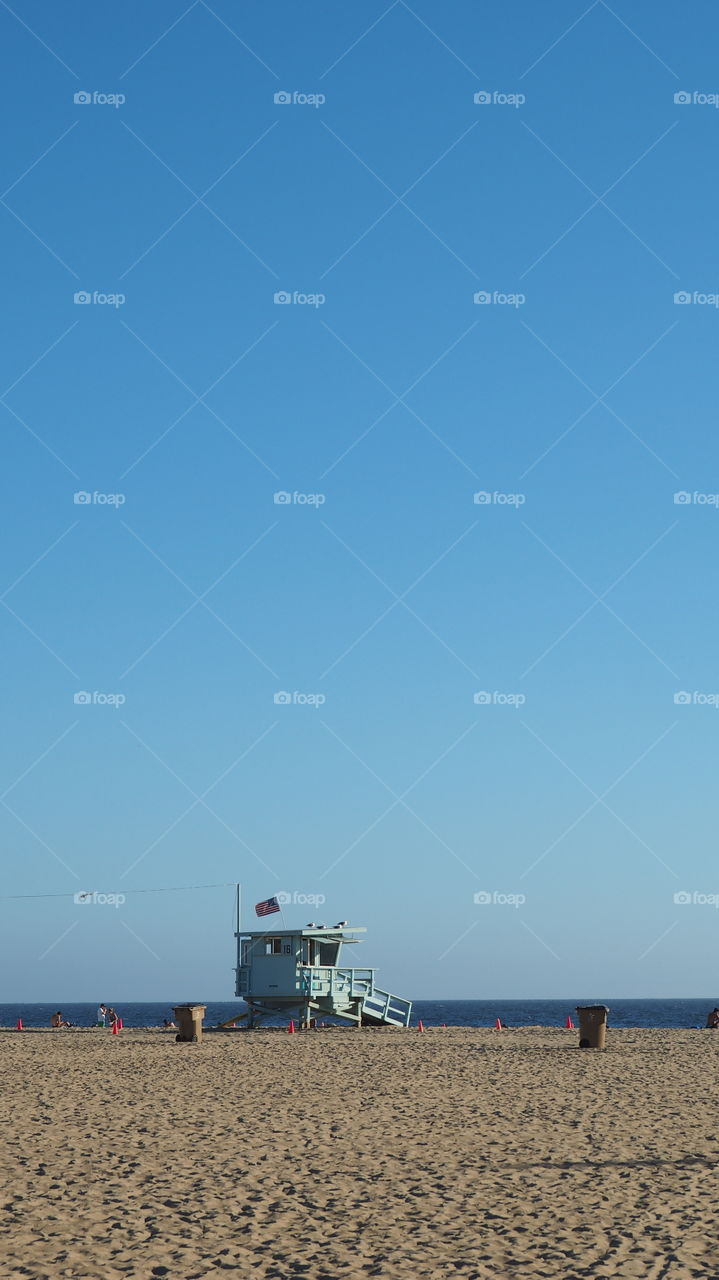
x=498, y=1025
x=120, y=1024
x=569, y=1023
x=420, y=1025
x=115, y=1029
x=291, y=1028
x=19, y=1024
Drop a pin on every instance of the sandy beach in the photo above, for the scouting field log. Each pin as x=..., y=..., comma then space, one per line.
x=344, y=1153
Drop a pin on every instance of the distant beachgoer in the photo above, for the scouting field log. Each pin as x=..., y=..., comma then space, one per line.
x=112, y=1017
x=168, y=1025
x=101, y=1015
x=57, y=1020
x=713, y=1019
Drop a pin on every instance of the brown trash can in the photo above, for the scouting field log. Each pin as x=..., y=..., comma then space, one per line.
x=592, y=1025
x=189, y=1022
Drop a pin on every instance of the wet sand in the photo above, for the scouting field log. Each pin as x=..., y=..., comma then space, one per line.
x=344, y=1153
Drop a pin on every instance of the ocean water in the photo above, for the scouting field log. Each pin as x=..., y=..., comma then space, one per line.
x=455, y=1013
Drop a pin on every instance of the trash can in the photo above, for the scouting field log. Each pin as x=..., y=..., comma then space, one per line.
x=592, y=1025
x=189, y=1022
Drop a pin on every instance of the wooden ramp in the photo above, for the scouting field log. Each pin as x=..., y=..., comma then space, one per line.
x=381, y=1008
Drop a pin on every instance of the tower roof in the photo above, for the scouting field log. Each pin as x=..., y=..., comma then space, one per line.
x=341, y=933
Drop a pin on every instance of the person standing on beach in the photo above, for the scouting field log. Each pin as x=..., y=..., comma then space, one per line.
x=112, y=1017
x=101, y=1015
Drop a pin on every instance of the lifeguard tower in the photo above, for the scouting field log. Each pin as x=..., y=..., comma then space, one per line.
x=299, y=971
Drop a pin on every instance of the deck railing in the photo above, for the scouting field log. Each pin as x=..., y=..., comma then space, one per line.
x=340, y=985
x=317, y=980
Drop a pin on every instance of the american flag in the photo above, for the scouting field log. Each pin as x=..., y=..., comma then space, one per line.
x=267, y=907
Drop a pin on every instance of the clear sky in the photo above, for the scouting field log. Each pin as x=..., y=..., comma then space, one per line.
x=380, y=197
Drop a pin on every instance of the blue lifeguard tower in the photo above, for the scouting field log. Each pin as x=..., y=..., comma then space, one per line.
x=299, y=971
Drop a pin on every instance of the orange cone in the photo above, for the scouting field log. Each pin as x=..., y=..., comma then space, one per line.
x=291, y=1028
x=19, y=1024
x=420, y=1025
x=569, y=1023
x=120, y=1024
x=115, y=1029
x=498, y=1025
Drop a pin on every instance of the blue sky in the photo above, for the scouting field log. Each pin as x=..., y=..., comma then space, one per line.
x=379, y=400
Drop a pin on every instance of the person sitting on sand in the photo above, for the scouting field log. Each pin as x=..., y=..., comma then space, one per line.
x=57, y=1020
x=713, y=1019
x=169, y=1026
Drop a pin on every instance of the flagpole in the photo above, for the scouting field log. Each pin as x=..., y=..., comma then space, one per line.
x=239, y=943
